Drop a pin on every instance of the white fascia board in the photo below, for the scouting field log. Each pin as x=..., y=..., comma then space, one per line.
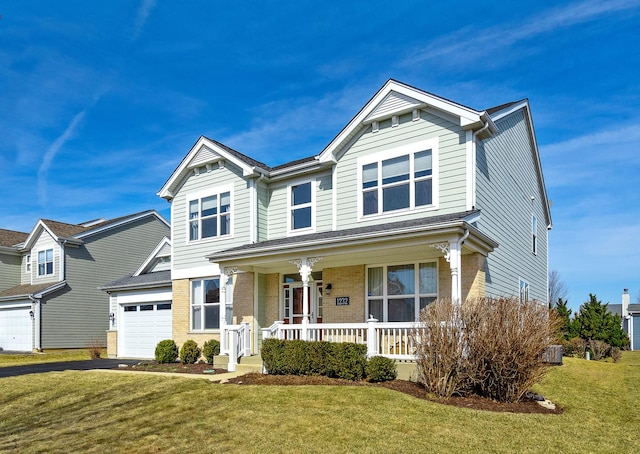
x=212, y=269
x=468, y=118
x=53, y=288
x=165, y=241
x=35, y=233
x=166, y=191
x=450, y=228
x=122, y=222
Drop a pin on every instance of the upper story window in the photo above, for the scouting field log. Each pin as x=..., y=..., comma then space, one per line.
x=400, y=179
x=27, y=267
x=534, y=234
x=45, y=262
x=210, y=216
x=301, y=201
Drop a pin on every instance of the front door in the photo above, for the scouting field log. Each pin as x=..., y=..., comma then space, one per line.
x=294, y=305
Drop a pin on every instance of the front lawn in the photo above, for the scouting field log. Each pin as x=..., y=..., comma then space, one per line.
x=50, y=356
x=109, y=412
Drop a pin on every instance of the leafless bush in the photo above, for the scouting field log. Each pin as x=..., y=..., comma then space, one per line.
x=599, y=349
x=95, y=348
x=492, y=347
x=440, y=344
x=575, y=346
x=616, y=354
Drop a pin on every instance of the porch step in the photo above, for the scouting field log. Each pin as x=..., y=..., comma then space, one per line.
x=246, y=364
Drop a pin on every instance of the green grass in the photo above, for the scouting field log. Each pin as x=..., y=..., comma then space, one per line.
x=109, y=412
x=50, y=356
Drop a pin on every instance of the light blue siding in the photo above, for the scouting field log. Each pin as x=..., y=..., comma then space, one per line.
x=188, y=255
x=264, y=196
x=452, y=163
x=508, y=194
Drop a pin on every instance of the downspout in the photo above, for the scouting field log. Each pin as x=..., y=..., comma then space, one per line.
x=37, y=316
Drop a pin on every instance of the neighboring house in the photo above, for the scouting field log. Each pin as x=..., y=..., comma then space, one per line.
x=630, y=314
x=49, y=296
x=140, y=307
x=417, y=198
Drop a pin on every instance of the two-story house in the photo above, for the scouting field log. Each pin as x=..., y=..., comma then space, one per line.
x=417, y=198
x=49, y=278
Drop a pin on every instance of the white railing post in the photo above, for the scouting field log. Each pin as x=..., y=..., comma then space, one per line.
x=233, y=351
x=247, y=339
x=372, y=338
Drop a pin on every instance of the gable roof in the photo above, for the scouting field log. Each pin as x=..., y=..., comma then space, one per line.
x=74, y=233
x=149, y=280
x=11, y=238
x=394, y=98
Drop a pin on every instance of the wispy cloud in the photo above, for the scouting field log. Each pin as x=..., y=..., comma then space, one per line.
x=470, y=44
x=143, y=14
x=51, y=154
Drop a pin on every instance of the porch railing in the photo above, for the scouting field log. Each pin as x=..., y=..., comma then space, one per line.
x=390, y=339
x=238, y=342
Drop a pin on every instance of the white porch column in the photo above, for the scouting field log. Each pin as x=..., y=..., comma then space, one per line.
x=225, y=298
x=452, y=254
x=305, y=266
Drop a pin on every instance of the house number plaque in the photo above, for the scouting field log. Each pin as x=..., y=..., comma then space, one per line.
x=342, y=301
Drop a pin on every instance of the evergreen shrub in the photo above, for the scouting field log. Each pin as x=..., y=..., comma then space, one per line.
x=166, y=351
x=190, y=352
x=380, y=368
x=210, y=349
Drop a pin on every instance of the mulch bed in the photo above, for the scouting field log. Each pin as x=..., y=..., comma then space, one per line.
x=407, y=387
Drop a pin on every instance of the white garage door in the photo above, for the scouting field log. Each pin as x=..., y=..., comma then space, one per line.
x=15, y=329
x=142, y=326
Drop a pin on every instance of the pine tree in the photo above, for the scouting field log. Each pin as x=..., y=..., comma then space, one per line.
x=567, y=329
x=596, y=322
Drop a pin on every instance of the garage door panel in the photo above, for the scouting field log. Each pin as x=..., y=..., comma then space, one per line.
x=16, y=329
x=143, y=326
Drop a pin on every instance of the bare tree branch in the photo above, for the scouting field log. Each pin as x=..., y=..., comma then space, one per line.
x=557, y=288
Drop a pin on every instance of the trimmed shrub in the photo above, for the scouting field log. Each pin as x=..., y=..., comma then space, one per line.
x=210, y=349
x=347, y=360
x=380, y=368
x=272, y=354
x=190, y=352
x=295, y=358
x=166, y=351
x=317, y=354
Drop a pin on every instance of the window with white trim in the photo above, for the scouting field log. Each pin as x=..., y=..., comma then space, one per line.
x=524, y=291
x=401, y=179
x=397, y=293
x=210, y=216
x=45, y=262
x=534, y=234
x=27, y=267
x=205, y=304
x=301, y=200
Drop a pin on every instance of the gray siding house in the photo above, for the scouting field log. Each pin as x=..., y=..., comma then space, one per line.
x=53, y=300
x=416, y=198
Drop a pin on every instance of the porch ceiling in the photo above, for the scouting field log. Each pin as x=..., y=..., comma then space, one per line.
x=408, y=241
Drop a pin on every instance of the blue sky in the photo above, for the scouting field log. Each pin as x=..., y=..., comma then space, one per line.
x=99, y=101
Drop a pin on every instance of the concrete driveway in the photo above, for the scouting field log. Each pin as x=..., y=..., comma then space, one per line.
x=89, y=364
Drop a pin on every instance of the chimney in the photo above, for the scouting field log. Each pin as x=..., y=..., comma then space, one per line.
x=625, y=303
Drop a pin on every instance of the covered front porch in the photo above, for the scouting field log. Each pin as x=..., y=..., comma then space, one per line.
x=365, y=285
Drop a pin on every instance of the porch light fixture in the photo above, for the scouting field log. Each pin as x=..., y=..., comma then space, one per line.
x=327, y=290
x=112, y=317
x=31, y=314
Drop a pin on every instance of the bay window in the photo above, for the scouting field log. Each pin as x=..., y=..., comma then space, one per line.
x=397, y=293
